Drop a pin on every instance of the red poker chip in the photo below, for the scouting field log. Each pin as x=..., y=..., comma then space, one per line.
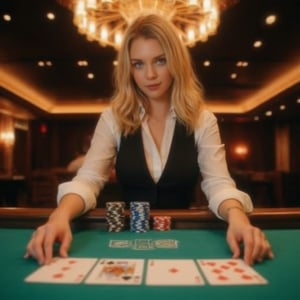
x=161, y=223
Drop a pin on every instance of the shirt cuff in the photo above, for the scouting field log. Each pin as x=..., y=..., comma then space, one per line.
x=238, y=195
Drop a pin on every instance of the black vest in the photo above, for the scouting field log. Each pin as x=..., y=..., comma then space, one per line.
x=175, y=188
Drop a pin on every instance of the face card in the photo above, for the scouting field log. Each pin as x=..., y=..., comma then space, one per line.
x=173, y=272
x=117, y=271
x=63, y=270
x=229, y=272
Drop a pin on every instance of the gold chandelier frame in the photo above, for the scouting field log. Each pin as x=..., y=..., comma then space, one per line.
x=106, y=20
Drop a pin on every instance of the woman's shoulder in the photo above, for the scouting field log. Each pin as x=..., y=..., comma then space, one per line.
x=206, y=116
x=207, y=113
x=208, y=124
x=107, y=112
x=107, y=117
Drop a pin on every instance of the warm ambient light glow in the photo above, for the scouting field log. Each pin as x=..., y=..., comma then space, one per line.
x=7, y=137
x=241, y=150
x=20, y=87
x=106, y=20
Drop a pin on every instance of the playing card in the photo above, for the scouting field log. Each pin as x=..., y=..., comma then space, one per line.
x=166, y=243
x=63, y=270
x=229, y=272
x=120, y=244
x=173, y=272
x=143, y=244
x=117, y=271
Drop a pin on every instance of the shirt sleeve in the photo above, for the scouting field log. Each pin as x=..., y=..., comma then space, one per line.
x=95, y=170
x=217, y=183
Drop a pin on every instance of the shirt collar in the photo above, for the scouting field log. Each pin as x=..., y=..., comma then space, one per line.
x=142, y=111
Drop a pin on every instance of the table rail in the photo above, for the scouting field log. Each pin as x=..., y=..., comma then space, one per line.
x=23, y=217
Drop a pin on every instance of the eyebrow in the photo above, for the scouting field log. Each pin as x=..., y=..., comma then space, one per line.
x=156, y=57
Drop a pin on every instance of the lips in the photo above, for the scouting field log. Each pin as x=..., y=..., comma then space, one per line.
x=153, y=87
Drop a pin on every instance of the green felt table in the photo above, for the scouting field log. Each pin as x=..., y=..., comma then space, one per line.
x=282, y=273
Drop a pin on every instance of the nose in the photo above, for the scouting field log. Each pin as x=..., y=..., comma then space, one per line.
x=150, y=71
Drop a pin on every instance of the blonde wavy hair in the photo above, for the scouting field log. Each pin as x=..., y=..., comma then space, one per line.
x=187, y=92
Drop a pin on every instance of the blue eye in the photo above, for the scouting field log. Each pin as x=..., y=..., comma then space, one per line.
x=161, y=61
x=137, y=64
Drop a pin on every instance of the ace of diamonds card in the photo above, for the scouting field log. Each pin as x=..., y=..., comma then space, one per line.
x=173, y=272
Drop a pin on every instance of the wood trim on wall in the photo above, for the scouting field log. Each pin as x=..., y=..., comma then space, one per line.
x=265, y=218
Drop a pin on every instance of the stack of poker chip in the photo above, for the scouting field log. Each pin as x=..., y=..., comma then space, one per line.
x=161, y=223
x=139, y=216
x=115, y=216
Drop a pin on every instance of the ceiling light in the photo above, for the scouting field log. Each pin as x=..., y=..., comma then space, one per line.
x=82, y=63
x=271, y=19
x=90, y=76
x=7, y=17
x=257, y=44
x=50, y=16
x=268, y=113
x=242, y=64
x=233, y=75
x=42, y=63
x=106, y=20
x=206, y=63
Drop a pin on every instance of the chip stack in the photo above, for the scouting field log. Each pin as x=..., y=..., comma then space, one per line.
x=139, y=216
x=161, y=223
x=115, y=216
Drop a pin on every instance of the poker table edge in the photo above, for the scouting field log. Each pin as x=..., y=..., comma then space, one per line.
x=266, y=218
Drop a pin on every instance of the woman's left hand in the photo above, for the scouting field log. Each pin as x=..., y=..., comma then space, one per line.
x=241, y=233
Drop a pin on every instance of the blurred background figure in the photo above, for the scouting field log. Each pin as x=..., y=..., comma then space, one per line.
x=76, y=163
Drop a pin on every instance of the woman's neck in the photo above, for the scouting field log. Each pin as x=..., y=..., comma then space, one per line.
x=159, y=111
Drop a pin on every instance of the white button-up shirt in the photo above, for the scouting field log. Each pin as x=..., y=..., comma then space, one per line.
x=217, y=183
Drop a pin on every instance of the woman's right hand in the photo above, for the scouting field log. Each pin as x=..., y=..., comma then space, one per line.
x=56, y=230
x=43, y=239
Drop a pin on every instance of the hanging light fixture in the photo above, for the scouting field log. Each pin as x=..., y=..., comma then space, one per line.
x=106, y=20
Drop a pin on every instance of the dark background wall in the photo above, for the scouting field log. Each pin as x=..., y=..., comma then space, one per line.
x=64, y=138
x=47, y=144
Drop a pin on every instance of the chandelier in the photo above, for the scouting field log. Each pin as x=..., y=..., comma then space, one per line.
x=106, y=20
